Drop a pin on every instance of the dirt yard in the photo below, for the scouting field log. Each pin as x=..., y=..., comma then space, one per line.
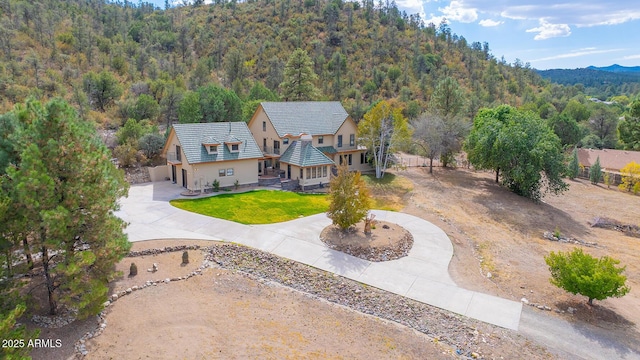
x=223, y=315
x=495, y=231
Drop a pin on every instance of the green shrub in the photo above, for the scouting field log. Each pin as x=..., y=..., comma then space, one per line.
x=216, y=185
x=580, y=273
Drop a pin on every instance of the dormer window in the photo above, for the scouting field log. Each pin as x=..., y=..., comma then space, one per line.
x=285, y=141
x=213, y=149
x=233, y=147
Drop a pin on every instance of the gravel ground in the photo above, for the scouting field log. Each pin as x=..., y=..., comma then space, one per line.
x=468, y=338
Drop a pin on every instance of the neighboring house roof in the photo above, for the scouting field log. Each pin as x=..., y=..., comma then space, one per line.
x=303, y=154
x=311, y=117
x=193, y=136
x=609, y=159
x=327, y=149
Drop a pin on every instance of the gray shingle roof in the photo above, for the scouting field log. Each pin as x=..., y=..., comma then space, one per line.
x=311, y=117
x=304, y=154
x=192, y=136
x=327, y=149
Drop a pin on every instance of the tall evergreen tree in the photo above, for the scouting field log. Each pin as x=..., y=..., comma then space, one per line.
x=299, y=78
x=595, y=172
x=574, y=165
x=67, y=189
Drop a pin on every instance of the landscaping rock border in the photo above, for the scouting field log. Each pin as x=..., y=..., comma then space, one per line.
x=467, y=338
x=394, y=251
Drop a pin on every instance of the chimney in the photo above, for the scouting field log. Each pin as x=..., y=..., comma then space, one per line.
x=306, y=139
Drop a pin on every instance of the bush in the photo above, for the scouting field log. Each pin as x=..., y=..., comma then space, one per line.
x=216, y=185
x=630, y=177
x=133, y=269
x=580, y=273
x=185, y=257
x=126, y=155
x=574, y=165
x=595, y=172
x=349, y=197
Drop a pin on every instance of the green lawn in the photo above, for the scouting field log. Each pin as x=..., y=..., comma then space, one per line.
x=257, y=207
x=388, y=193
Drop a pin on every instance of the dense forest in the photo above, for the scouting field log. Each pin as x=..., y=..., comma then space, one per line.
x=602, y=83
x=139, y=68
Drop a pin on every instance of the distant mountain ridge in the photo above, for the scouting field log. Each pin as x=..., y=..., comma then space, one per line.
x=617, y=68
x=598, y=81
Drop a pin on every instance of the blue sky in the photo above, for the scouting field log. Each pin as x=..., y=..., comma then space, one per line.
x=547, y=34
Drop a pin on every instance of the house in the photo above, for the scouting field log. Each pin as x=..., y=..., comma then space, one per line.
x=611, y=161
x=199, y=154
x=280, y=126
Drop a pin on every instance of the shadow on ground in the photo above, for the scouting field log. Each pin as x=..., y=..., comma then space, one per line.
x=604, y=326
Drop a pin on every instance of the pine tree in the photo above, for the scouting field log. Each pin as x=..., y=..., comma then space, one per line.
x=66, y=188
x=299, y=78
x=574, y=165
x=595, y=172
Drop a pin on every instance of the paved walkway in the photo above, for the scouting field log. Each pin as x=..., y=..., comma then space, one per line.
x=422, y=275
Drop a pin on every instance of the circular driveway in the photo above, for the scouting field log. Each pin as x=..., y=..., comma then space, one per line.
x=422, y=275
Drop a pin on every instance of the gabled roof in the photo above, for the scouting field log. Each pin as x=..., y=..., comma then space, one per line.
x=610, y=159
x=304, y=154
x=193, y=136
x=311, y=117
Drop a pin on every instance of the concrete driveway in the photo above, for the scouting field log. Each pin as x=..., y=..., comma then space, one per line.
x=422, y=275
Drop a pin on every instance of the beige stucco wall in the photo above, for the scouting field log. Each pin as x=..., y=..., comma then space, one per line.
x=245, y=171
x=308, y=181
x=356, y=158
x=255, y=126
x=159, y=173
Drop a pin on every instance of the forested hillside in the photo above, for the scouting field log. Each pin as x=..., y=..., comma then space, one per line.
x=361, y=53
x=597, y=82
x=138, y=68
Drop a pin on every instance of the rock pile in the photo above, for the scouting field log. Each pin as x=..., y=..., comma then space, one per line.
x=551, y=236
x=166, y=249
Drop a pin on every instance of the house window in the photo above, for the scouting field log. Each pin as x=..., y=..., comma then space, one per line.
x=285, y=141
x=213, y=149
x=352, y=140
x=230, y=172
x=362, y=158
x=235, y=147
x=264, y=126
x=301, y=177
x=314, y=173
x=339, y=140
x=222, y=172
x=178, y=153
x=340, y=159
x=324, y=171
x=320, y=139
x=350, y=158
x=308, y=173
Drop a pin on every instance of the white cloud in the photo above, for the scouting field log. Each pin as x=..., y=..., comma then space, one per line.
x=577, y=54
x=582, y=13
x=490, y=23
x=457, y=11
x=411, y=7
x=547, y=30
x=632, y=57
